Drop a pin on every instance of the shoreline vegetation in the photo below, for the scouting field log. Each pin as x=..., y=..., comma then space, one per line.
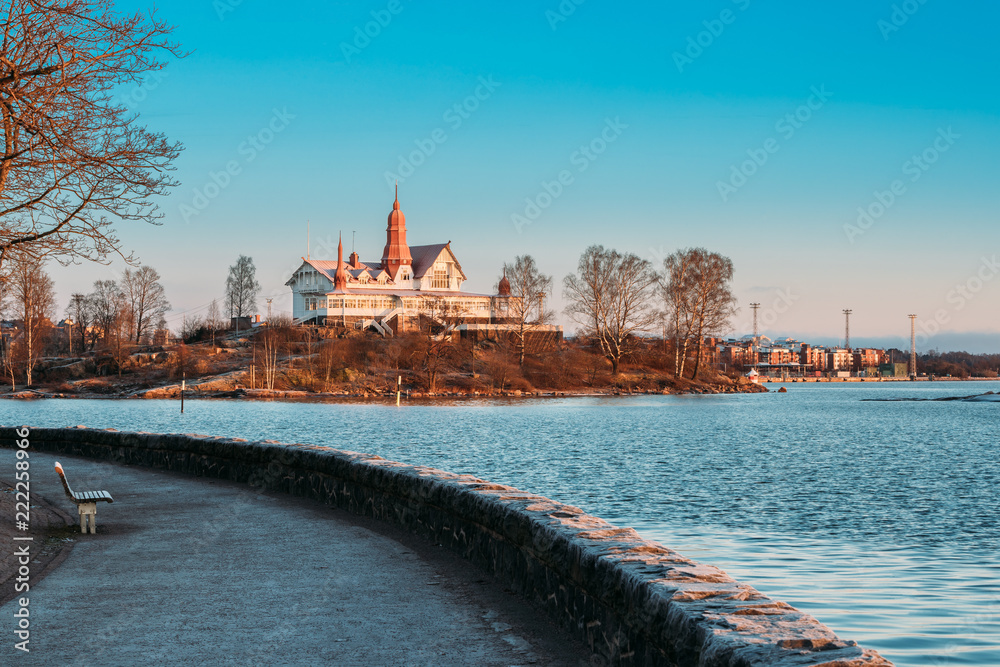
x=322, y=364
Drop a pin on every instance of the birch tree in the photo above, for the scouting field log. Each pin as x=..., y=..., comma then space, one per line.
x=34, y=299
x=213, y=319
x=610, y=296
x=526, y=305
x=147, y=301
x=712, y=299
x=79, y=312
x=118, y=334
x=676, y=295
x=104, y=303
x=698, y=294
x=242, y=288
x=73, y=157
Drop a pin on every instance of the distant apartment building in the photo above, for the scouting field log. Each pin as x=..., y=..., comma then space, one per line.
x=775, y=356
x=812, y=358
x=790, y=357
x=866, y=361
x=734, y=354
x=839, y=359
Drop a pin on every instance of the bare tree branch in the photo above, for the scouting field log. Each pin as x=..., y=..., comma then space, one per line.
x=73, y=160
x=611, y=297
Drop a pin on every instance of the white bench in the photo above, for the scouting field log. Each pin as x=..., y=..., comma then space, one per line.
x=86, y=502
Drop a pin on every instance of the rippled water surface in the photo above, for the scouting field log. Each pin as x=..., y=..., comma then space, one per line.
x=879, y=518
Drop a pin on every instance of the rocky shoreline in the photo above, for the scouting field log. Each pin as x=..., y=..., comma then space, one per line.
x=194, y=392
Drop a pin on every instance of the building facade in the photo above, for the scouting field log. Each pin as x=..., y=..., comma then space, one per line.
x=392, y=295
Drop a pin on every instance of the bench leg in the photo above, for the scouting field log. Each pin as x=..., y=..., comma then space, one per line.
x=88, y=510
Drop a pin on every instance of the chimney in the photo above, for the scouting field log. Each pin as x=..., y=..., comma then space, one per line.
x=355, y=261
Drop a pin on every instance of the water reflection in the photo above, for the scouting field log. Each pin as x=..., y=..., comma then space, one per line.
x=879, y=518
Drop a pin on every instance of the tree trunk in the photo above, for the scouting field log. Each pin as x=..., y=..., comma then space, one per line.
x=684, y=354
x=677, y=356
x=28, y=338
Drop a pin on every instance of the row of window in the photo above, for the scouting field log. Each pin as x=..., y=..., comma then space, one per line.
x=365, y=302
x=379, y=303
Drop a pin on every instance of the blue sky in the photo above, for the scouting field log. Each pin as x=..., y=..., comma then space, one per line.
x=671, y=99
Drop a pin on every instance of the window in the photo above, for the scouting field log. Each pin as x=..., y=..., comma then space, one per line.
x=440, y=277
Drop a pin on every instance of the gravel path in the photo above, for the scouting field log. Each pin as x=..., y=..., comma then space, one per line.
x=207, y=572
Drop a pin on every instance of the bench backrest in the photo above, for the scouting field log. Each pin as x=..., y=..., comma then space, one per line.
x=62, y=477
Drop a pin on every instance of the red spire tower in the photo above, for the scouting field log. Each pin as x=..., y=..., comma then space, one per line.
x=340, y=277
x=503, y=289
x=396, y=253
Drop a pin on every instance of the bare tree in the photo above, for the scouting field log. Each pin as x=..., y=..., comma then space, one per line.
x=161, y=335
x=191, y=328
x=525, y=307
x=34, y=297
x=677, y=290
x=80, y=312
x=104, y=303
x=4, y=291
x=118, y=333
x=437, y=320
x=610, y=296
x=146, y=299
x=699, y=297
x=72, y=157
x=213, y=320
x=329, y=355
x=271, y=338
x=242, y=288
x=5, y=345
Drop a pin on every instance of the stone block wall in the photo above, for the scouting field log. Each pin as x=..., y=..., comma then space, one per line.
x=633, y=601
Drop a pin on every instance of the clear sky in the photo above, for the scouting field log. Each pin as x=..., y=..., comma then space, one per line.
x=757, y=130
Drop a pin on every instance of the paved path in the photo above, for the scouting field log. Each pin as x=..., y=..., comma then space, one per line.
x=201, y=571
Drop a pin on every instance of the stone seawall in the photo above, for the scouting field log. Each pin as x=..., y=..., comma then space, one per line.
x=631, y=600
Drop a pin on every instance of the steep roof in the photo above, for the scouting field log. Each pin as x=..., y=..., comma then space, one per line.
x=424, y=257
x=429, y=294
